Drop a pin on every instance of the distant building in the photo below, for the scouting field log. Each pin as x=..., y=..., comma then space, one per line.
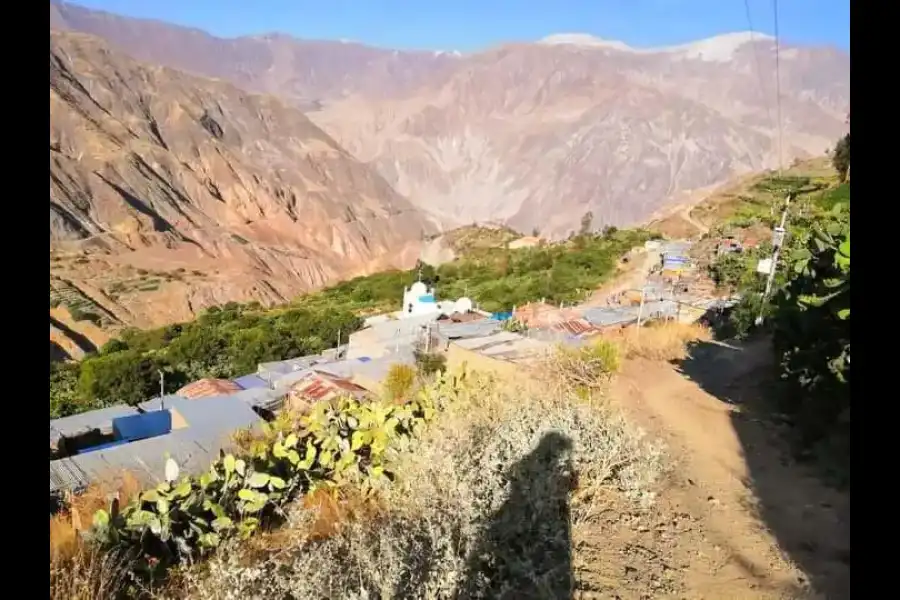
x=320, y=387
x=252, y=381
x=203, y=388
x=190, y=431
x=69, y=434
x=541, y=314
x=502, y=353
x=418, y=299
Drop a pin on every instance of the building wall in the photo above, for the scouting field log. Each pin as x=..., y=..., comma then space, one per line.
x=459, y=358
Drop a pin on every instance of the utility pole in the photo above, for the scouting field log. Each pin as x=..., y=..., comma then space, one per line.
x=162, y=388
x=778, y=238
x=641, y=310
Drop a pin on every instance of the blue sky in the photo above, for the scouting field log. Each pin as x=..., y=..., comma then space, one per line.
x=468, y=25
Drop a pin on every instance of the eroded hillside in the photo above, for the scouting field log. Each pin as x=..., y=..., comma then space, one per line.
x=531, y=135
x=170, y=193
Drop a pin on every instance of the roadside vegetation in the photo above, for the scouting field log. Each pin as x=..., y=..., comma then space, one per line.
x=808, y=312
x=231, y=340
x=462, y=484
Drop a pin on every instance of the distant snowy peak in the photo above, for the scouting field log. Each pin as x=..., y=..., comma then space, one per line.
x=584, y=39
x=720, y=48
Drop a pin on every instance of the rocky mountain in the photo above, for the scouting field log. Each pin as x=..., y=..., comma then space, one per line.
x=307, y=73
x=537, y=135
x=170, y=193
x=532, y=135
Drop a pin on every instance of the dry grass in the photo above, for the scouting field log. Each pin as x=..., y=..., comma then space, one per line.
x=487, y=504
x=66, y=526
x=83, y=573
x=659, y=341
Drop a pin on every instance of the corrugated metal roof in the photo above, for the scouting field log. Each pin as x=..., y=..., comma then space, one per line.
x=471, y=329
x=208, y=387
x=604, y=317
x=285, y=381
x=374, y=369
x=211, y=423
x=160, y=403
x=575, y=327
x=397, y=328
x=260, y=397
x=144, y=459
x=505, y=345
x=320, y=386
x=217, y=414
x=251, y=381
x=96, y=419
x=283, y=367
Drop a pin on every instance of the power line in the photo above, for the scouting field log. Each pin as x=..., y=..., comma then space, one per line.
x=759, y=76
x=778, y=88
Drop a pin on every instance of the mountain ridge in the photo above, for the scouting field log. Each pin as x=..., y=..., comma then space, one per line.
x=533, y=135
x=156, y=171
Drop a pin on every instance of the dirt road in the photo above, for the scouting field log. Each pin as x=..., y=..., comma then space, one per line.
x=631, y=278
x=767, y=527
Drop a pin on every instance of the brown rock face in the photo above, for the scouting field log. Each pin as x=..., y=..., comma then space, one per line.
x=531, y=135
x=537, y=135
x=169, y=193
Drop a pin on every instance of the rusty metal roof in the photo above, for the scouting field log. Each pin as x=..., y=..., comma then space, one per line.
x=322, y=386
x=208, y=387
x=575, y=327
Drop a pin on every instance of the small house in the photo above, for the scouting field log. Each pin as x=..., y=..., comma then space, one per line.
x=320, y=387
x=203, y=388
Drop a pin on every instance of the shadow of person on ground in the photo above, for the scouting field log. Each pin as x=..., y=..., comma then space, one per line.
x=525, y=549
x=809, y=518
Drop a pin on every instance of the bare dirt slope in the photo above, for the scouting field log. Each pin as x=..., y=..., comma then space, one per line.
x=170, y=193
x=762, y=526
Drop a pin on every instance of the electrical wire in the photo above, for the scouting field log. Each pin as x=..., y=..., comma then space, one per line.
x=778, y=88
x=762, y=86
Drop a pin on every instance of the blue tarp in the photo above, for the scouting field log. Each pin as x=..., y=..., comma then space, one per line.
x=426, y=298
x=143, y=426
x=502, y=316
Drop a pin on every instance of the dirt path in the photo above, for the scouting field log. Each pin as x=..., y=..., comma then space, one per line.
x=686, y=215
x=631, y=278
x=775, y=529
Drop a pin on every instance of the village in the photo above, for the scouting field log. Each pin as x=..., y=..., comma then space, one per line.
x=194, y=424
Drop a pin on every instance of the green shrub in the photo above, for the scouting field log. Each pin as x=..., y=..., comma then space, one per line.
x=189, y=517
x=429, y=363
x=586, y=367
x=399, y=382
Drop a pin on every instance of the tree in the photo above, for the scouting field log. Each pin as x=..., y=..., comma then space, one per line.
x=123, y=377
x=586, y=222
x=840, y=158
x=812, y=339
